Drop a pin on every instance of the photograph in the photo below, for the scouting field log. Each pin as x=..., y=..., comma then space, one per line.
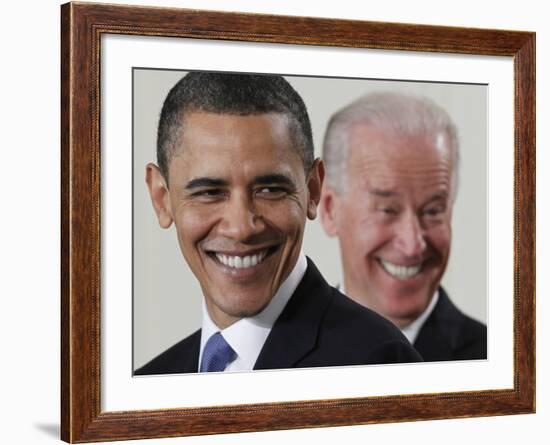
x=393, y=233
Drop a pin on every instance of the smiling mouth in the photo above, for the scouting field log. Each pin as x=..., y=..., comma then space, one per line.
x=401, y=272
x=243, y=261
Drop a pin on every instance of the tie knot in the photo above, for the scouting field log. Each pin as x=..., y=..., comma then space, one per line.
x=217, y=354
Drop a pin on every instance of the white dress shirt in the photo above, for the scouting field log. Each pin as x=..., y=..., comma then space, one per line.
x=411, y=331
x=248, y=335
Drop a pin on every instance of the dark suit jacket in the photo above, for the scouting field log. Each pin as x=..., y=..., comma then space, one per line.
x=318, y=327
x=448, y=334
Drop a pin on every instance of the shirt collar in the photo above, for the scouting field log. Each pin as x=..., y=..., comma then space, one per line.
x=411, y=331
x=248, y=335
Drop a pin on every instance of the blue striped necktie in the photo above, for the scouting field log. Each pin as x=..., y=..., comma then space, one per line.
x=217, y=354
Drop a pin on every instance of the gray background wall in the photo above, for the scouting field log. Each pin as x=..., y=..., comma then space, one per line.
x=166, y=294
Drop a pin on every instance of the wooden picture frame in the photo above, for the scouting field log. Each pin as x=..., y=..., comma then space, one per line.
x=82, y=25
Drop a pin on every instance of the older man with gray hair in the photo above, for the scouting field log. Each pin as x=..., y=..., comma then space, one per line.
x=391, y=178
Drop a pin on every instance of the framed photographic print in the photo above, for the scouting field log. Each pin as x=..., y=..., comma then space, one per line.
x=125, y=295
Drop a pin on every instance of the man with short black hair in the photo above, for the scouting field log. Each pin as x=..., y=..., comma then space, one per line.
x=238, y=179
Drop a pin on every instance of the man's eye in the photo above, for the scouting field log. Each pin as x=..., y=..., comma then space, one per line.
x=433, y=211
x=271, y=192
x=209, y=193
x=387, y=210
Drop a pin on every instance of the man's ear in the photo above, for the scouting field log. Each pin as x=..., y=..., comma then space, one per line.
x=314, y=185
x=160, y=195
x=328, y=210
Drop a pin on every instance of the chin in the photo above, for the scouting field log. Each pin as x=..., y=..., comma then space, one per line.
x=244, y=307
x=408, y=309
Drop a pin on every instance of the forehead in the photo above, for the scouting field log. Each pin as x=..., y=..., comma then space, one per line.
x=220, y=144
x=390, y=160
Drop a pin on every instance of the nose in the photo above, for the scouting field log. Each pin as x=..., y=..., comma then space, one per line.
x=410, y=236
x=240, y=220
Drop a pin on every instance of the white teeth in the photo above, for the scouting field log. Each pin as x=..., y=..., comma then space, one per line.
x=400, y=272
x=238, y=262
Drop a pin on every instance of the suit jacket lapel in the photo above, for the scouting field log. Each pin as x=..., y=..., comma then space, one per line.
x=191, y=363
x=187, y=354
x=182, y=357
x=440, y=335
x=294, y=333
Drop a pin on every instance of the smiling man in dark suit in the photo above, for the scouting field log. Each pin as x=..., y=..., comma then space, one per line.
x=392, y=176
x=237, y=177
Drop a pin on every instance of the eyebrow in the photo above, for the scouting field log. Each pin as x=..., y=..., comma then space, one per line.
x=273, y=178
x=205, y=182
x=438, y=196
x=270, y=178
x=389, y=193
x=383, y=193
